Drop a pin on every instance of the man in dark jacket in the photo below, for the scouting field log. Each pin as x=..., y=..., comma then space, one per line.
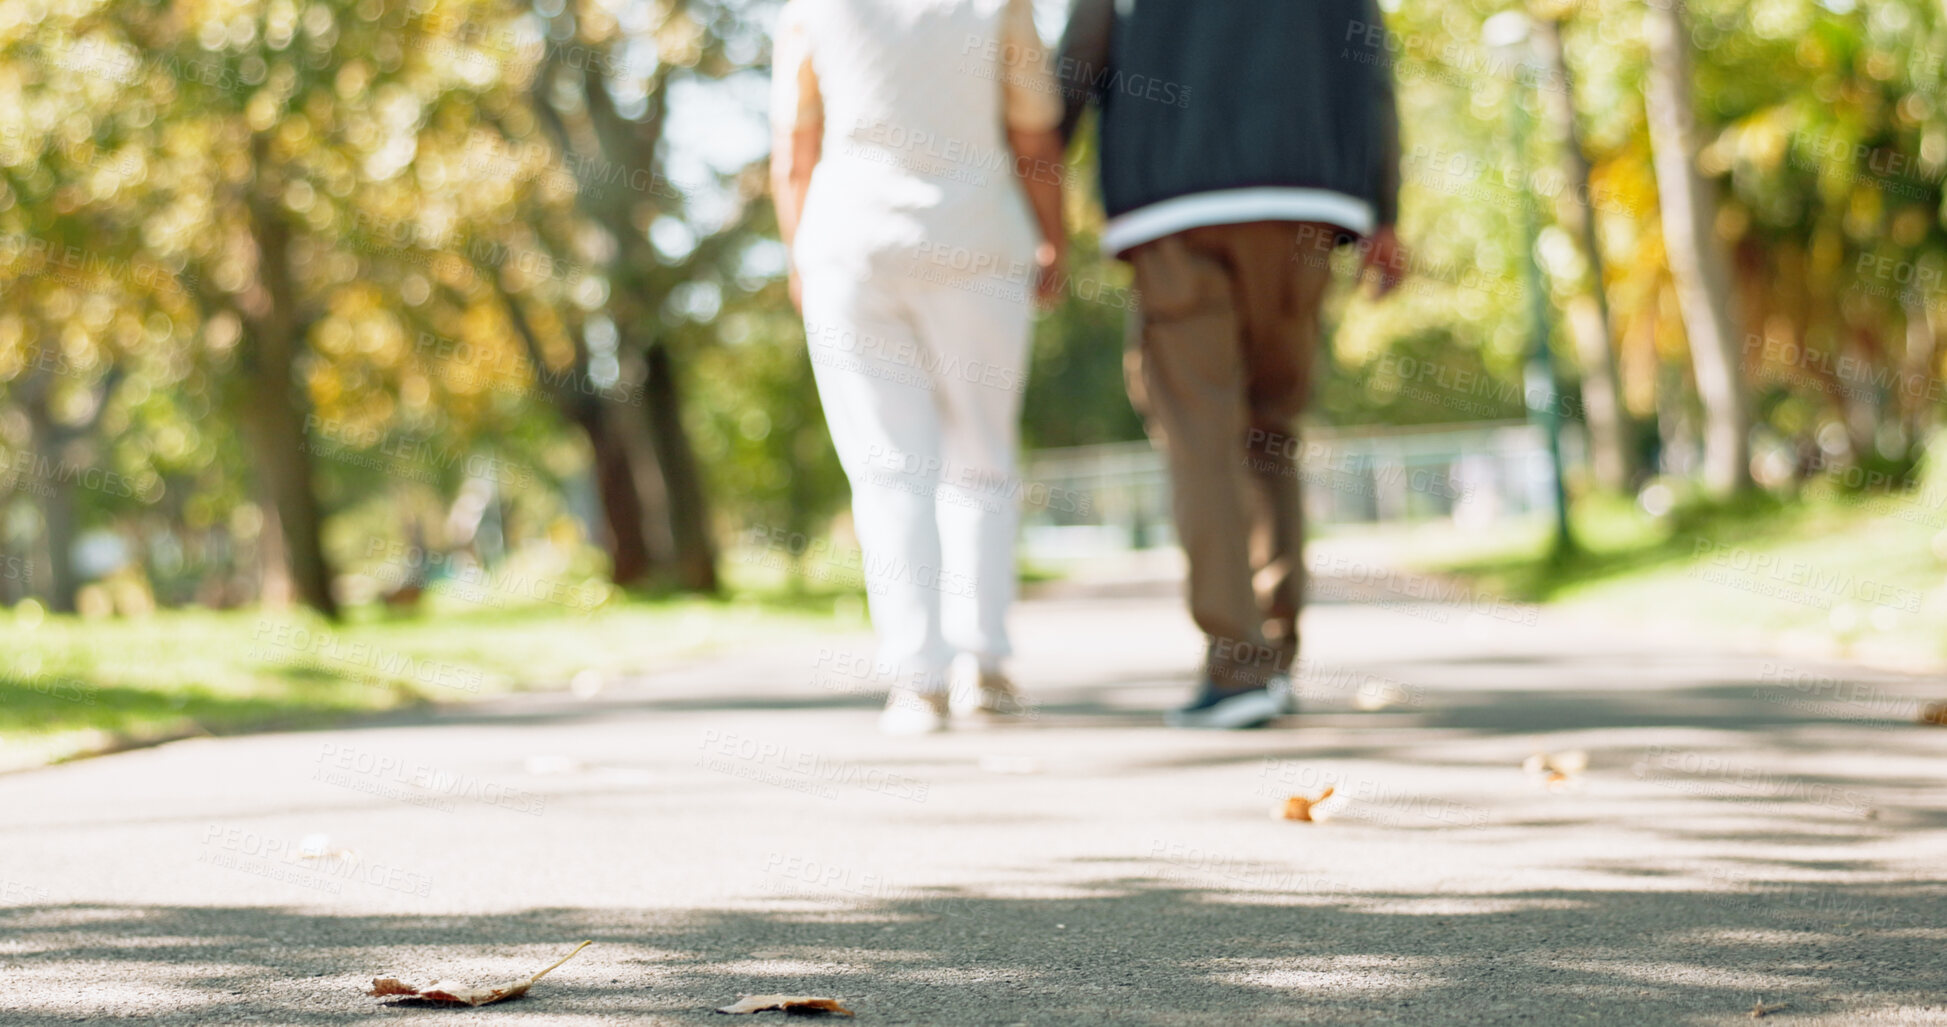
x=1242, y=140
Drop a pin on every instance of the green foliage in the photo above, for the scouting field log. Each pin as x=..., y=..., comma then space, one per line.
x=484, y=228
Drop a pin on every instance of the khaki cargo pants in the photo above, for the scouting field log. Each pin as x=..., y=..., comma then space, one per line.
x=1220, y=368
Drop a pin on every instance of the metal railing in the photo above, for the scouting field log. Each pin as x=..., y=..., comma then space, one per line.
x=1117, y=496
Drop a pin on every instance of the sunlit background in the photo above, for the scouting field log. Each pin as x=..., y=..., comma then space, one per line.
x=459, y=328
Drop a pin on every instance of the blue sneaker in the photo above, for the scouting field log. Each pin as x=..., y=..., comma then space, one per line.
x=1235, y=710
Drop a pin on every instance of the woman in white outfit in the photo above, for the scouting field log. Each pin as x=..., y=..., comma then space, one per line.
x=916, y=167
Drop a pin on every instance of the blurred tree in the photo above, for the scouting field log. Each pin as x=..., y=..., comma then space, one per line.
x=1612, y=444
x=1696, y=258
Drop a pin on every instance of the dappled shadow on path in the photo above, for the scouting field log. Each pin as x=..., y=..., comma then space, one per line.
x=1144, y=945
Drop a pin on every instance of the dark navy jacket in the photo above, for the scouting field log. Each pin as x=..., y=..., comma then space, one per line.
x=1216, y=111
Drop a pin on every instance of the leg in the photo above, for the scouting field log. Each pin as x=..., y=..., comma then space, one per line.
x=886, y=430
x=1279, y=293
x=980, y=343
x=1190, y=361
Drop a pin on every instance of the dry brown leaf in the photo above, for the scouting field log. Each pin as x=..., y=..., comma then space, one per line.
x=463, y=994
x=800, y=1004
x=1935, y=713
x=1566, y=764
x=1300, y=808
x=1559, y=771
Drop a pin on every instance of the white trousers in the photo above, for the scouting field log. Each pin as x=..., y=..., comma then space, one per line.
x=921, y=382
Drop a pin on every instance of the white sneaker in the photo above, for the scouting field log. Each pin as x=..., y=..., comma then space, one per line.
x=913, y=713
x=986, y=693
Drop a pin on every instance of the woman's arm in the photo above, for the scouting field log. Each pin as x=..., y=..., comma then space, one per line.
x=1038, y=163
x=1031, y=103
x=797, y=130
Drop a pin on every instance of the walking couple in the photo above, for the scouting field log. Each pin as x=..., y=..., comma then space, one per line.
x=917, y=167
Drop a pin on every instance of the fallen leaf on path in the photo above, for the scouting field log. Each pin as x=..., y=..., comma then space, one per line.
x=1761, y=1010
x=463, y=994
x=1558, y=770
x=1935, y=713
x=788, y=1003
x=1300, y=808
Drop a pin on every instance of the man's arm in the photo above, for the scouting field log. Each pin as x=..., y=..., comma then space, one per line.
x=1084, y=59
x=1385, y=110
x=797, y=129
x=1384, y=257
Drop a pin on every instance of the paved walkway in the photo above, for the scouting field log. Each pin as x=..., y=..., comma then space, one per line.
x=1746, y=830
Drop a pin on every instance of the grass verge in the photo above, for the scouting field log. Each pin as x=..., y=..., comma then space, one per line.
x=1827, y=573
x=71, y=686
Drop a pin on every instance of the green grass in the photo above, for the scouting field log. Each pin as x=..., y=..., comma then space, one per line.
x=1832, y=573
x=71, y=686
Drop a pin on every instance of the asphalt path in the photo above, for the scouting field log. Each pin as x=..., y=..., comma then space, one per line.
x=1747, y=830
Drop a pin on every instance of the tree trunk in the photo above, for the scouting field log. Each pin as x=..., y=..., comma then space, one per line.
x=1697, y=263
x=275, y=411
x=56, y=492
x=623, y=484
x=1612, y=450
x=689, y=510
x=1916, y=392
x=618, y=484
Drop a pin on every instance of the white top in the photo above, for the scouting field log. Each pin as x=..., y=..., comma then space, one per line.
x=1235, y=206
x=915, y=98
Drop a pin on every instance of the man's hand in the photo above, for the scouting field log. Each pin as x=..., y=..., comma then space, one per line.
x=1049, y=278
x=1384, y=262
